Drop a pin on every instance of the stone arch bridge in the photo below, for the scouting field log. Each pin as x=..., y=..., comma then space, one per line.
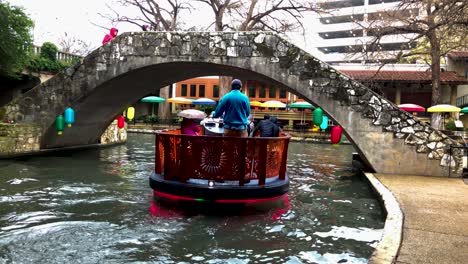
x=134, y=64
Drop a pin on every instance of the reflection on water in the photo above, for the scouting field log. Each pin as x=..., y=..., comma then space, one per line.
x=95, y=206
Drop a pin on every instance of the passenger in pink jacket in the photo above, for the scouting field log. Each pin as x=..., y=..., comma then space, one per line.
x=110, y=36
x=189, y=127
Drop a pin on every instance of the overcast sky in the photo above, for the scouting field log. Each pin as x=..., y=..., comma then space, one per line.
x=53, y=18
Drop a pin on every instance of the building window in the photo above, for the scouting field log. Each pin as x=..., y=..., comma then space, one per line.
x=272, y=92
x=201, y=90
x=341, y=19
x=261, y=92
x=193, y=90
x=375, y=2
x=215, y=91
x=252, y=91
x=184, y=90
x=341, y=4
x=282, y=93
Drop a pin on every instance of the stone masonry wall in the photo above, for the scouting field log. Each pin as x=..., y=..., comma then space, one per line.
x=114, y=135
x=391, y=140
x=24, y=138
x=19, y=138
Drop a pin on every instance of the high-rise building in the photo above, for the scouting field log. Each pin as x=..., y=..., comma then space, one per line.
x=345, y=31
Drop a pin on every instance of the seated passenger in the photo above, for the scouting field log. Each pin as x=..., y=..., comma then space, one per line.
x=267, y=127
x=276, y=128
x=189, y=127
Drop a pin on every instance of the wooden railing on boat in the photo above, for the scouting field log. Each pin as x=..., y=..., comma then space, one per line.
x=182, y=157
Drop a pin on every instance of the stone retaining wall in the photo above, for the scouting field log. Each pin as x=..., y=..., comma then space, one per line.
x=19, y=138
x=24, y=138
x=114, y=135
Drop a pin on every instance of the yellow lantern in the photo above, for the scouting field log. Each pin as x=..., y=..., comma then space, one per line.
x=130, y=113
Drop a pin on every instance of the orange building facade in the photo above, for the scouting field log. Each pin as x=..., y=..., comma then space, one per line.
x=198, y=88
x=255, y=90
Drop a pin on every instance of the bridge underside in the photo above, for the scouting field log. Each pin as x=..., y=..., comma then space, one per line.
x=133, y=65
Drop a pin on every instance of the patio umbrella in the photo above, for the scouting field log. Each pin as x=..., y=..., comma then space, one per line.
x=443, y=108
x=255, y=103
x=273, y=104
x=412, y=108
x=204, y=101
x=192, y=114
x=301, y=105
x=179, y=100
x=304, y=105
x=464, y=110
x=152, y=100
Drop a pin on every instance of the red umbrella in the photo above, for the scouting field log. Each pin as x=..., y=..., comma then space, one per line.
x=412, y=108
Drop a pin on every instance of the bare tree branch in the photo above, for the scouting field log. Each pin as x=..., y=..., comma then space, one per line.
x=438, y=26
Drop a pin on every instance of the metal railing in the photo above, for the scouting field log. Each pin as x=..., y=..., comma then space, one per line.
x=60, y=55
x=182, y=157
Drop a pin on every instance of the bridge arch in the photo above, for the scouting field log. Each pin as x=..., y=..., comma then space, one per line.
x=134, y=64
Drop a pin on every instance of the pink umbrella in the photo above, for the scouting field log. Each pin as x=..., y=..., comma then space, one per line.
x=412, y=108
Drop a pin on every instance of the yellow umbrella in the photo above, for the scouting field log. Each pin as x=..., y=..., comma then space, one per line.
x=273, y=104
x=443, y=108
x=179, y=100
x=255, y=103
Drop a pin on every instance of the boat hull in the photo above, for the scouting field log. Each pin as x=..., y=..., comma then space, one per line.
x=219, y=191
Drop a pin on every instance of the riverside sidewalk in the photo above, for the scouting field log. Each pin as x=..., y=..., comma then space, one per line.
x=435, y=227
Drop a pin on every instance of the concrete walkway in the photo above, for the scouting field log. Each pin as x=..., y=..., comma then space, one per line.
x=435, y=227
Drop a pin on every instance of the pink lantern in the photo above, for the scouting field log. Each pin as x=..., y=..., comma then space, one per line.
x=336, y=133
x=120, y=122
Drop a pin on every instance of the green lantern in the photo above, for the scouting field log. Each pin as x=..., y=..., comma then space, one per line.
x=59, y=124
x=318, y=116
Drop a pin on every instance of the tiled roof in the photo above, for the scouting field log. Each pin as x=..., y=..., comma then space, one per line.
x=404, y=76
x=458, y=54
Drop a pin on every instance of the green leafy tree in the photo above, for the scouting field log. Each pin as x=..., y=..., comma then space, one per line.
x=49, y=51
x=441, y=26
x=15, y=39
x=47, y=60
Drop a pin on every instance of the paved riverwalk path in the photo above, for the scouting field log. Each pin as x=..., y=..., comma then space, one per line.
x=435, y=227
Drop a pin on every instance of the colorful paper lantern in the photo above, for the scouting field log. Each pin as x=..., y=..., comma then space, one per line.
x=324, y=124
x=69, y=116
x=336, y=133
x=130, y=113
x=120, y=122
x=318, y=116
x=59, y=124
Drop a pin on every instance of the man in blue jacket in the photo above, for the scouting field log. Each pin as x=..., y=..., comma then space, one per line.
x=236, y=108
